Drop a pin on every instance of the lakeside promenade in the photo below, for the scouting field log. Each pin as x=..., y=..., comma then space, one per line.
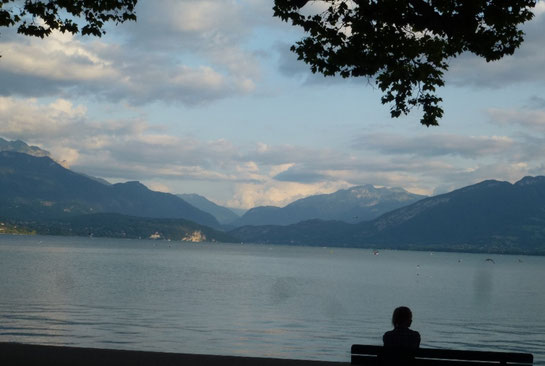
x=14, y=354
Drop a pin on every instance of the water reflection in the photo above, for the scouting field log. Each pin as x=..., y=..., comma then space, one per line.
x=482, y=286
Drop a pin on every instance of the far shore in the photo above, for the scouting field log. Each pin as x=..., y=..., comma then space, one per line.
x=413, y=248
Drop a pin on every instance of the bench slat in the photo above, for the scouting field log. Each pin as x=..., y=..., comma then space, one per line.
x=441, y=362
x=447, y=354
x=374, y=361
x=364, y=360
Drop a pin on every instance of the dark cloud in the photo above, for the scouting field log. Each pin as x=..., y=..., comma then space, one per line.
x=535, y=102
x=13, y=83
x=173, y=152
x=301, y=175
x=432, y=145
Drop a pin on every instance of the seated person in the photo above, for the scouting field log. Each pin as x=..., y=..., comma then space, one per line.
x=401, y=336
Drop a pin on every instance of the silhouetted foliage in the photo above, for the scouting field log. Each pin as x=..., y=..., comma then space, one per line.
x=40, y=18
x=404, y=44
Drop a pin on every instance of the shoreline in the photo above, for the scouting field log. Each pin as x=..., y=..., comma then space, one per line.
x=34, y=354
x=378, y=248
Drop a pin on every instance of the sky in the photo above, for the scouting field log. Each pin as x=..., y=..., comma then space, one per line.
x=204, y=96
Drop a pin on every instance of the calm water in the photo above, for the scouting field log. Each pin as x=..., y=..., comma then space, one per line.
x=289, y=302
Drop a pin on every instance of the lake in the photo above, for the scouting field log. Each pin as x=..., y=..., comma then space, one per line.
x=259, y=300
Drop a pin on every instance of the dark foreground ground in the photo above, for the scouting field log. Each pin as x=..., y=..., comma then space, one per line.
x=14, y=354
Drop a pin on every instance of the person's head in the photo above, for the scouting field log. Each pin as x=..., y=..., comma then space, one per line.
x=402, y=317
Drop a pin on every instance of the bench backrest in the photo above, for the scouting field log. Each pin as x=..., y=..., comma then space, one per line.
x=375, y=355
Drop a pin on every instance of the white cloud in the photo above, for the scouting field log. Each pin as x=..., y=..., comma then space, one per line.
x=112, y=73
x=57, y=57
x=189, y=52
x=531, y=119
x=159, y=187
x=33, y=120
x=539, y=9
x=274, y=193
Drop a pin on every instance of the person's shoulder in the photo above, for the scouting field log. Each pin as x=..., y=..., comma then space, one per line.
x=416, y=336
x=414, y=333
x=387, y=335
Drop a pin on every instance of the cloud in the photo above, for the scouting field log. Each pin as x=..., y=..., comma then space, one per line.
x=275, y=193
x=132, y=149
x=458, y=178
x=299, y=174
x=159, y=187
x=189, y=52
x=536, y=102
x=115, y=148
x=194, y=24
x=530, y=119
x=438, y=163
x=32, y=120
x=529, y=124
x=431, y=145
x=112, y=73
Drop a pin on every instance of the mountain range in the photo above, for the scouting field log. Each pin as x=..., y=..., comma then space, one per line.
x=360, y=203
x=38, y=187
x=39, y=195
x=491, y=216
x=44, y=188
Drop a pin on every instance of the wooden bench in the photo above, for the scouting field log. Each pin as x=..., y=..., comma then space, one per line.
x=378, y=355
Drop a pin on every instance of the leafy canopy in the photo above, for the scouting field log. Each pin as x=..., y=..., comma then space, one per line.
x=404, y=44
x=40, y=18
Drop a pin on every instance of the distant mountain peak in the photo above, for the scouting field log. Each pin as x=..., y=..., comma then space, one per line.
x=362, y=190
x=354, y=204
x=134, y=183
x=22, y=147
x=377, y=194
x=369, y=187
x=530, y=180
